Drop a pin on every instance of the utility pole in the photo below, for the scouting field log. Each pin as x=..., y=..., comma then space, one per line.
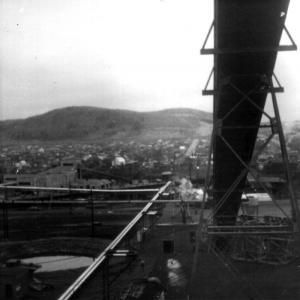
x=5, y=216
x=92, y=214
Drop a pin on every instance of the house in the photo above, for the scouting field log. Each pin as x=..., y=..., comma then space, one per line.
x=61, y=176
x=118, y=161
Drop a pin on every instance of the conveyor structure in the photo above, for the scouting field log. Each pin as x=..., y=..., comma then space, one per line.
x=247, y=36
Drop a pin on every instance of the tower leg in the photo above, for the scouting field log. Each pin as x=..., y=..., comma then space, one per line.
x=293, y=200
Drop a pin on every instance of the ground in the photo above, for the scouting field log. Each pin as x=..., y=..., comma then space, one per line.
x=216, y=276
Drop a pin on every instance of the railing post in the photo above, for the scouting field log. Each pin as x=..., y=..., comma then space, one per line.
x=105, y=278
x=5, y=216
x=92, y=214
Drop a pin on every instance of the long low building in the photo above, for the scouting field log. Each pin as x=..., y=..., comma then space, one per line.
x=62, y=176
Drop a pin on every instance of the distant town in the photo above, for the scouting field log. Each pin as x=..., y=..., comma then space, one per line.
x=132, y=163
x=95, y=166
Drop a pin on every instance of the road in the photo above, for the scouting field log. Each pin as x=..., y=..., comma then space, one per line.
x=192, y=148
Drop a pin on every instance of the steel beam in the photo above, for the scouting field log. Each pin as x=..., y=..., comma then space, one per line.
x=57, y=189
x=73, y=289
x=85, y=202
x=285, y=158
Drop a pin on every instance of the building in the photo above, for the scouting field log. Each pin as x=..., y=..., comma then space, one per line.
x=92, y=183
x=62, y=176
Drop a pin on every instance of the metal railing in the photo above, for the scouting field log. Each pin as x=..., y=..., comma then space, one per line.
x=111, y=247
x=63, y=189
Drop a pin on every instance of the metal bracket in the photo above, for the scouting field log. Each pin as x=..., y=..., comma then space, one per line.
x=207, y=92
x=204, y=49
x=264, y=88
x=208, y=51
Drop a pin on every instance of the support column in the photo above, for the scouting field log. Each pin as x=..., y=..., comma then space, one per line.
x=106, y=279
x=293, y=200
x=92, y=215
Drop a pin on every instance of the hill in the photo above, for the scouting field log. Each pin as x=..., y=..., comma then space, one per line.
x=91, y=123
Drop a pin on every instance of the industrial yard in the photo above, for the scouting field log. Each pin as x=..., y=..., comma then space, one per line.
x=158, y=258
x=177, y=204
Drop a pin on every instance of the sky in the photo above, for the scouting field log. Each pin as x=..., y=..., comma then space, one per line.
x=129, y=54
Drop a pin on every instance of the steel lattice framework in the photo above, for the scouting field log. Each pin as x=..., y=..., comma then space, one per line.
x=247, y=38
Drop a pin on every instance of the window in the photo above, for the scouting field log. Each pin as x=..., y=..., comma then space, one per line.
x=168, y=246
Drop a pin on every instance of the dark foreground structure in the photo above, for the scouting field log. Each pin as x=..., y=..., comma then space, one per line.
x=247, y=38
x=257, y=251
